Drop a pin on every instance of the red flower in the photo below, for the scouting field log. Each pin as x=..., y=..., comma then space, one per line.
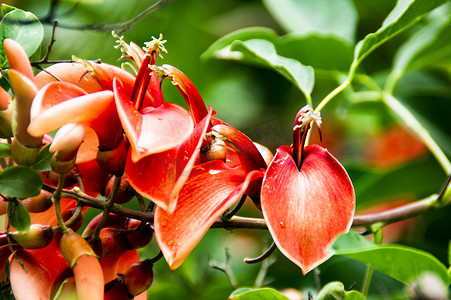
x=307, y=198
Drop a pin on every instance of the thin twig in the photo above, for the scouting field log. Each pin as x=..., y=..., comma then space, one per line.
x=262, y=257
x=225, y=267
x=237, y=207
x=120, y=27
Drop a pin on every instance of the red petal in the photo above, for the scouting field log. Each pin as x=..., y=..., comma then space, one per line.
x=210, y=190
x=156, y=130
x=160, y=176
x=189, y=92
x=307, y=210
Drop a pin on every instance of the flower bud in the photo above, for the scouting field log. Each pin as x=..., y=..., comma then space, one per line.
x=38, y=236
x=113, y=161
x=139, y=277
x=73, y=246
x=138, y=238
x=113, y=240
x=39, y=203
x=5, y=114
x=125, y=192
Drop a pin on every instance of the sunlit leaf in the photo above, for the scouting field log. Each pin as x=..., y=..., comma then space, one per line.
x=405, y=14
x=23, y=27
x=260, y=294
x=403, y=263
x=338, y=17
x=18, y=216
x=418, y=47
x=42, y=162
x=336, y=290
x=5, y=150
x=20, y=182
x=265, y=53
x=320, y=52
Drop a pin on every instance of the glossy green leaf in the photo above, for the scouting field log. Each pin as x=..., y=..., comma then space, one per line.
x=402, y=263
x=260, y=294
x=321, y=52
x=427, y=46
x=265, y=53
x=23, y=27
x=5, y=8
x=323, y=17
x=5, y=150
x=18, y=216
x=42, y=162
x=336, y=290
x=405, y=14
x=20, y=181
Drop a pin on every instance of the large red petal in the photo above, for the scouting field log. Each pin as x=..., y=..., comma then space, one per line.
x=307, y=210
x=160, y=176
x=157, y=129
x=210, y=190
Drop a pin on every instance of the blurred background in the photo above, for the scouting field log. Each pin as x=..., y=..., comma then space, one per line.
x=387, y=164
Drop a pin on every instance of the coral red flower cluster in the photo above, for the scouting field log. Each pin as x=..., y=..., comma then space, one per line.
x=115, y=126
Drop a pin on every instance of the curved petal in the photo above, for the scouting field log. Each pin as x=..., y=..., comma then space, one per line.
x=307, y=210
x=157, y=129
x=24, y=93
x=210, y=190
x=176, y=164
x=100, y=77
x=189, y=92
x=60, y=103
x=88, y=278
x=46, y=270
x=17, y=58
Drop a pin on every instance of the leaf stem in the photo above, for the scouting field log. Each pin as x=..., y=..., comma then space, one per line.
x=332, y=94
x=411, y=122
x=56, y=204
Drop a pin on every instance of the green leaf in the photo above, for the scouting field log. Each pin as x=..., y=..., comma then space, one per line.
x=260, y=294
x=405, y=14
x=23, y=27
x=240, y=291
x=5, y=8
x=265, y=53
x=402, y=263
x=42, y=163
x=20, y=181
x=336, y=291
x=18, y=216
x=5, y=150
x=321, y=52
x=323, y=17
x=430, y=42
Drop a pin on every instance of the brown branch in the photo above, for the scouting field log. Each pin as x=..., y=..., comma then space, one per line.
x=120, y=27
x=386, y=217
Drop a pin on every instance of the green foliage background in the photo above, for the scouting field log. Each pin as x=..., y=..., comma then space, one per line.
x=415, y=66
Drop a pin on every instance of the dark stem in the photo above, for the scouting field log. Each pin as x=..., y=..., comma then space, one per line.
x=299, y=137
x=157, y=257
x=262, y=257
x=237, y=207
x=107, y=207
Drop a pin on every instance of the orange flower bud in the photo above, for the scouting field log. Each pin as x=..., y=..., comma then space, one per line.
x=125, y=192
x=39, y=203
x=38, y=236
x=139, y=277
x=140, y=238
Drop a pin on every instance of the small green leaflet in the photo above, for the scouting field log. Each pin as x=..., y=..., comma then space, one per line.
x=336, y=290
x=22, y=27
x=404, y=15
x=257, y=294
x=20, y=182
x=5, y=150
x=18, y=216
